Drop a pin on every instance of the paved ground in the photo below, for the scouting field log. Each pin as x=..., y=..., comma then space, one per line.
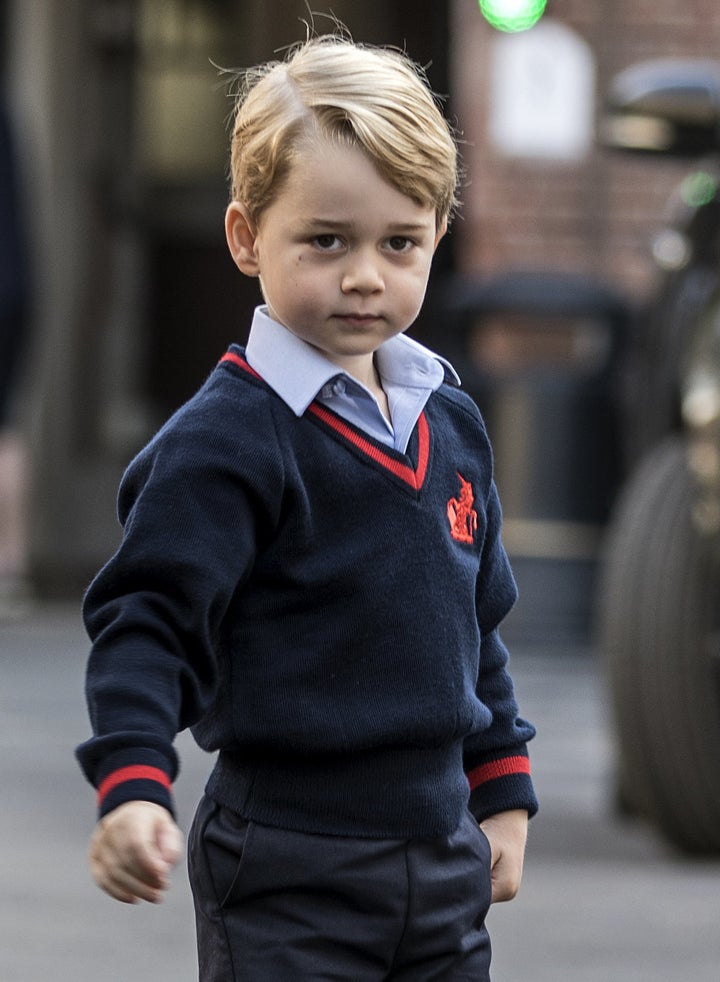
x=602, y=900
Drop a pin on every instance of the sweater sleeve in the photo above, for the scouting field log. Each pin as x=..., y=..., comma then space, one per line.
x=153, y=613
x=496, y=761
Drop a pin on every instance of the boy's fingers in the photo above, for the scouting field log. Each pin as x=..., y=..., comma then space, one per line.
x=127, y=881
x=126, y=888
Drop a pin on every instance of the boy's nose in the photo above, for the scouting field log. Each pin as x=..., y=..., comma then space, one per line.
x=362, y=275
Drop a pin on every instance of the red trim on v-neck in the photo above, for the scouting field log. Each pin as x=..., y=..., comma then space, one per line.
x=240, y=362
x=412, y=476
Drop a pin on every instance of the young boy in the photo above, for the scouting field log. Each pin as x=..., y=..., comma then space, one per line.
x=312, y=577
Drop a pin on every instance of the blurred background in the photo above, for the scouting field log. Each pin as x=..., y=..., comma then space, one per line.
x=118, y=116
x=578, y=295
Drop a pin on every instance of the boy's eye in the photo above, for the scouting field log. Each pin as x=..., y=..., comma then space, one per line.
x=400, y=243
x=327, y=242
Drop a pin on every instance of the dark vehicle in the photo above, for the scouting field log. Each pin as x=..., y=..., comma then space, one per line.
x=659, y=620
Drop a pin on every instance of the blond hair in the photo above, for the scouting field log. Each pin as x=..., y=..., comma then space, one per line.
x=374, y=98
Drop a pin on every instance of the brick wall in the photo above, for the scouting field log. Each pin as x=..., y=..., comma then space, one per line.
x=593, y=216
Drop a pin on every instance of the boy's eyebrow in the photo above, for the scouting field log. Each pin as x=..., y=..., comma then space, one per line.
x=330, y=224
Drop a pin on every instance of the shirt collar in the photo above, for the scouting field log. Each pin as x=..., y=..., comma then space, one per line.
x=297, y=372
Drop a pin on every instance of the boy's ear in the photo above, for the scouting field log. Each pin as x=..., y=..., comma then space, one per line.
x=439, y=234
x=240, y=233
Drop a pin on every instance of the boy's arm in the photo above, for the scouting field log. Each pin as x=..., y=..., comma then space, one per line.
x=496, y=760
x=154, y=613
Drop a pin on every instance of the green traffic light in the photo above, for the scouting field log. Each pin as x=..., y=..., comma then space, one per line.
x=698, y=189
x=512, y=15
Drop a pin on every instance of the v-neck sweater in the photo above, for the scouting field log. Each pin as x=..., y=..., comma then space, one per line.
x=320, y=608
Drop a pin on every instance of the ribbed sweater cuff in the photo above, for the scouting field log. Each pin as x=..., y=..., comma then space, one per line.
x=501, y=785
x=134, y=774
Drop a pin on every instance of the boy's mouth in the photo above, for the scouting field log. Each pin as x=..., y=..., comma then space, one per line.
x=357, y=318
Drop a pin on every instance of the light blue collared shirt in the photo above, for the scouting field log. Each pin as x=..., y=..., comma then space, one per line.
x=299, y=373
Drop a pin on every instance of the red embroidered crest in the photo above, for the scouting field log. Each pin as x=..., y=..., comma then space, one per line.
x=461, y=514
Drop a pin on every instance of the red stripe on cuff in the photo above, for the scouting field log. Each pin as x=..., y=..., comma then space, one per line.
x=138, y=772
x=497, y=768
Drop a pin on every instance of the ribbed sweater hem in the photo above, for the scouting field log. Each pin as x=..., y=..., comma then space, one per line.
x=407, y=793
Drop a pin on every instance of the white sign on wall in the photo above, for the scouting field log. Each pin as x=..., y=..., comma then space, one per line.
x=542, y=93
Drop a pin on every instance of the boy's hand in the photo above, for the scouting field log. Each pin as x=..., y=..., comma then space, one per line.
x=133, y=850
x=507, y=834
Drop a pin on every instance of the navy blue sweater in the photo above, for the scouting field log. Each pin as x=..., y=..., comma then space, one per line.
x=321, y=609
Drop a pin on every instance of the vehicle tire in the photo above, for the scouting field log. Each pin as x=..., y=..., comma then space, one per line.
x=659, y=637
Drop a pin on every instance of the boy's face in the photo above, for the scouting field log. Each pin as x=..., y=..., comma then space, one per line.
x=343, y=257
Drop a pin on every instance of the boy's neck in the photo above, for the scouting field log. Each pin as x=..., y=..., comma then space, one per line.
x=379, y=393
x=365, y=371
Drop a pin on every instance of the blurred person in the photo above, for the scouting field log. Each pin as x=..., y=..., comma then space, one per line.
x=13, y=329
x=312, y=576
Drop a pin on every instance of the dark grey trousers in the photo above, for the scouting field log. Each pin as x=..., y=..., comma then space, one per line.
x=274, y=905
